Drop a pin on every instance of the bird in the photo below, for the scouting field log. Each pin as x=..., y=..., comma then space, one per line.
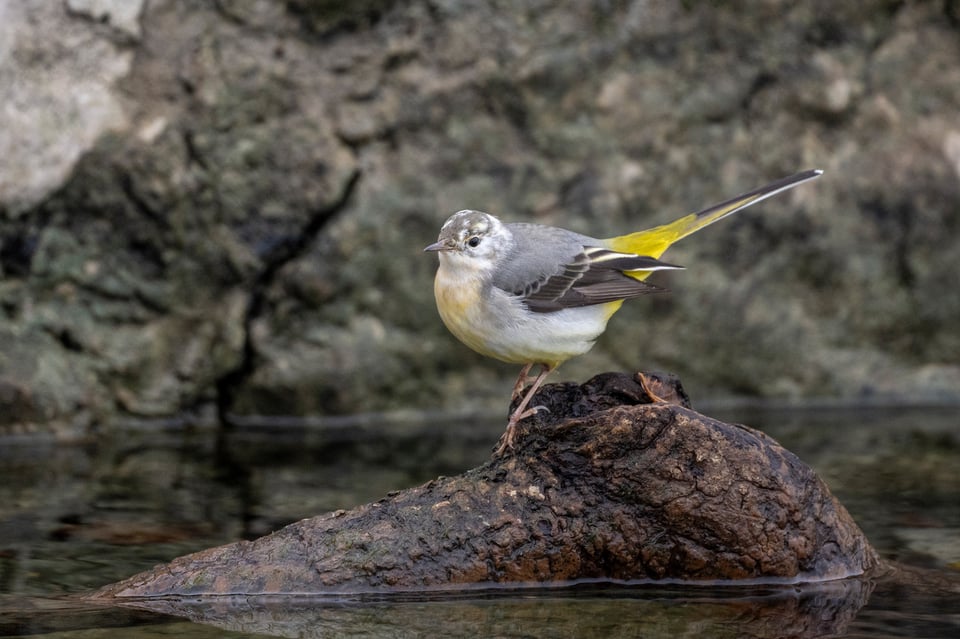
x=532, y=294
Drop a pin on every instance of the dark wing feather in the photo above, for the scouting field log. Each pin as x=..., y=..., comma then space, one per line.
x=595, y=276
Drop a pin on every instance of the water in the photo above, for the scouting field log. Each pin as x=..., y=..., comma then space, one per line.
x=77, y=516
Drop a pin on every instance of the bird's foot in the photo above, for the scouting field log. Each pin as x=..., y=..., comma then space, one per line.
x=647, y=388
x=510, y=434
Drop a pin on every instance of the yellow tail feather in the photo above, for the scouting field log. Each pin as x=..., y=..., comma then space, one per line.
x=655, y=241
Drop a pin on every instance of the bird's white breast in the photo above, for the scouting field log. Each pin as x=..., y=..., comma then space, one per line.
x=497, y=324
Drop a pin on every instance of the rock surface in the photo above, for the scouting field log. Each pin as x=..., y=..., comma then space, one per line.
x=183, y=232
x=604, y=486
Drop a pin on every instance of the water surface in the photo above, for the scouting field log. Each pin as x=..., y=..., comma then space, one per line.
x=77, y=516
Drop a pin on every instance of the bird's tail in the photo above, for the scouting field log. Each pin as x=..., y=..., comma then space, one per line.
x=655, y=241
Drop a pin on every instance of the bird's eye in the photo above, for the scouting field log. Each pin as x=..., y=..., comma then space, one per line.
x=474, y=241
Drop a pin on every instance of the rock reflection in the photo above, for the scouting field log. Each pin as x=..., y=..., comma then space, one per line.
x=809, y=610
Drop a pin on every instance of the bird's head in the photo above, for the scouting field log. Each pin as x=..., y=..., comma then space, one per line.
x=472, y=238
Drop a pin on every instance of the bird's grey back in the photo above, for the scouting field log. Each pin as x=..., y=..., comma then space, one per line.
x=537, y=253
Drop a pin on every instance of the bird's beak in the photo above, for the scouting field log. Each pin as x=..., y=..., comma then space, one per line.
x=437, y=246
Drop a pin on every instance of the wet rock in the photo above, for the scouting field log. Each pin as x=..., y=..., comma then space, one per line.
x=606, y=485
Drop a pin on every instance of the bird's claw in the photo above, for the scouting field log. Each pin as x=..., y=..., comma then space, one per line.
x=510, y=435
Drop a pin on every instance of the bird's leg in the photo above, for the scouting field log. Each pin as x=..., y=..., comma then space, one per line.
x=521, y=382
x=522, y=412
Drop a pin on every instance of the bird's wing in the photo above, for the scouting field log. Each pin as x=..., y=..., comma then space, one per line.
x=594, y=276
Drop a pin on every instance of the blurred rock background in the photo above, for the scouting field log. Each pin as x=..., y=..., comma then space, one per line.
x=218, y=208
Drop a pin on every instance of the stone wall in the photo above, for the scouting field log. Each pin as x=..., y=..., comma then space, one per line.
x=219, y=208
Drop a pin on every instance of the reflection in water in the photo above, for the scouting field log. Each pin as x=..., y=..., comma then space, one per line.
x=20, y=616
x=75, y=517
x=809, y=611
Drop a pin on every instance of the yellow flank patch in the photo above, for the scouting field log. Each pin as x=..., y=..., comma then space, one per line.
x=638, y=275
x=612, y=307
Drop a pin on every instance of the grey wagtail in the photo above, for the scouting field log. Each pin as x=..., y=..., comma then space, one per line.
x=531, y=294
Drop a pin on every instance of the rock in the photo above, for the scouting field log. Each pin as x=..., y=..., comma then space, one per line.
x=57, y=85
x=605, y=486
x=122, y=15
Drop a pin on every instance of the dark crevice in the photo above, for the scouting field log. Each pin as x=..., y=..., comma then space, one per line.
x=895, y=221
x=951, y=9
x=324, y=19
x=17, y=249
x=280, y=255
x=762, y=81
x=193, y=153
x=67, y=339
x=905, y=270
x=140, y=203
